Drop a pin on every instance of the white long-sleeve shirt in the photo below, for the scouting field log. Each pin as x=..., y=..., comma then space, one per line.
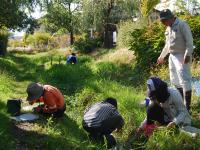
x=175, y=109
x=178, y=39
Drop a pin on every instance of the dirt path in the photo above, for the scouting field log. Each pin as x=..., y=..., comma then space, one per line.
x=23, y=132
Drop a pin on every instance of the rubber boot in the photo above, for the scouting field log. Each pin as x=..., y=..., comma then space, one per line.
x=96, y=138
x=181, y=91
x=188, y=95
x=111, y=142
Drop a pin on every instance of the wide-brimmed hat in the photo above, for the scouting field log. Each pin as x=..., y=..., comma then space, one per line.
x=166, y=14
x=35, y=91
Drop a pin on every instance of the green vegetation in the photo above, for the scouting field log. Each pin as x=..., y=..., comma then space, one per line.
x=91, y=80
x=147, y=43
x=38, y=40
x=3, y=40
x=124, y=34
x=102, y=73
x=87, y=45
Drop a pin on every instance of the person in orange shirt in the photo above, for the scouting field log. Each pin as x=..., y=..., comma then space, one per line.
x=54, y=103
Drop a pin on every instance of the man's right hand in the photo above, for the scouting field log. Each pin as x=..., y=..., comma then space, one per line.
x=38, y=109
x=160, y=60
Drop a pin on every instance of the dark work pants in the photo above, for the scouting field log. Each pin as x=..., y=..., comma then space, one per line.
x=107, y=127
x=155, y=113
x=58, y=113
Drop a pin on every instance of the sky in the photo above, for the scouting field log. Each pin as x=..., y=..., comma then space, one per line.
x=37, y=14
x=170, y=4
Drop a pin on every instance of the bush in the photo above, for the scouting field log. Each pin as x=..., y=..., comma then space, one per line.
x=87, y=45
x=15, y=43
x=59, y=41
x=147, y=44
x=3, y=41
x=38, y=39
x=194, y=23
x=124, y=32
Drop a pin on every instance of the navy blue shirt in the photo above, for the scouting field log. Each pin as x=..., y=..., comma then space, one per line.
x=71, y=59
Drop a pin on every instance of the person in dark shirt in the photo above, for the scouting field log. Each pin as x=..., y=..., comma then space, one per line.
x=72, y=59
x=101, y=119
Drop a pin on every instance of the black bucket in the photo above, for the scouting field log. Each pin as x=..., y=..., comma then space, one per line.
x=14, y=107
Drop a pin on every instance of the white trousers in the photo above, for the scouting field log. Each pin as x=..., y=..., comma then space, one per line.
x=180, y=74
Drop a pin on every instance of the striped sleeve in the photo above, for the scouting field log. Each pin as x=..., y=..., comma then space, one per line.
x=98, y=113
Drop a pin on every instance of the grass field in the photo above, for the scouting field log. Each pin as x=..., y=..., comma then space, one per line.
x=94, y=78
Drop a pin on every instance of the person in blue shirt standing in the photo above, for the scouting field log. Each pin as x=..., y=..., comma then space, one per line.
x=72, y=59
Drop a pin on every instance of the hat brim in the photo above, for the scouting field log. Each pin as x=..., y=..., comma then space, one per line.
x=36, y=96
x=167, y=17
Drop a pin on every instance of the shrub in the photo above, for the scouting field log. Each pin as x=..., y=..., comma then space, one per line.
x=124, y=32
x=3, y=41
x=147, y=44
x=59, y=41
x=86, y=45
x=194, y=23
x=15, y=43
x=38, y=39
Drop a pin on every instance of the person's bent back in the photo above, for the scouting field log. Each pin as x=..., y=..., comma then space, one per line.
x=53, y=99
x=72, y=59
x=101, y=119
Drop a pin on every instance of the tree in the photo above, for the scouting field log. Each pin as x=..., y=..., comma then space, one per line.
x=12, y=14
x=103, y=15
x=13, y=17
x=188, y=6
x=146, y=6
x=62, y=14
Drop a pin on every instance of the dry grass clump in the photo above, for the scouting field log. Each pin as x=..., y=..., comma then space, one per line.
x=121, y=56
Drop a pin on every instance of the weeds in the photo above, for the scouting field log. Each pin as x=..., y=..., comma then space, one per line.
x=82, y=85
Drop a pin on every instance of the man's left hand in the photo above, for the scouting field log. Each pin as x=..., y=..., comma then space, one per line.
x=186, y=59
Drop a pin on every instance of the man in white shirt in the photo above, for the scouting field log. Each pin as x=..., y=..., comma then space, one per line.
x=179, y=43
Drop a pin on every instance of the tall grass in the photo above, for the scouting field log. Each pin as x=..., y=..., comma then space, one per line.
x=82, y=84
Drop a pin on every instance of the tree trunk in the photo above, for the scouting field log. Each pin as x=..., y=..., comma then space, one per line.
x=71, y=37
x=108, y=38
x=3, y=45
x=71, y=25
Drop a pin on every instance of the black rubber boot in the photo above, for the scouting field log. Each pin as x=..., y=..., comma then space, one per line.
x=188, y=96
x=111, y=142
x=96, y=138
